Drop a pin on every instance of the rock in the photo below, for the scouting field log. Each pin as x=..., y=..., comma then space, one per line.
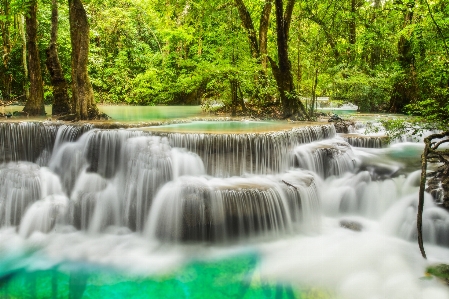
x=103, y=116
x=352, y=225
x=438, y=186
x=67, y=117
x=440, y=271
x=335, y=118
x=342, y=126
x=20, y=113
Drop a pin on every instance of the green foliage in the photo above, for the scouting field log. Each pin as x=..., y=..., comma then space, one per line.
x=189, y=51
x=400, y=127
x=441, y=271
x=370, y=93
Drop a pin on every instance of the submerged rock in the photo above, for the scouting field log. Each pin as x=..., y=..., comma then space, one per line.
x=352, y=225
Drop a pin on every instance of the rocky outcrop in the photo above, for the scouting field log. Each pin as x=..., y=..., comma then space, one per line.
x=341, y=125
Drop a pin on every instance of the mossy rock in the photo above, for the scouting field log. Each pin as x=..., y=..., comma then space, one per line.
x=440, y=271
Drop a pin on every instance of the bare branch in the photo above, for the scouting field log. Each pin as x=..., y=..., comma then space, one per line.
x=436, y=145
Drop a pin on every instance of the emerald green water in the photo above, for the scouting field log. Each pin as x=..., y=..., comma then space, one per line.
x=234, y=277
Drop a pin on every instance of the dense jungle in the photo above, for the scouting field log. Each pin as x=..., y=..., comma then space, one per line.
x=245, y=57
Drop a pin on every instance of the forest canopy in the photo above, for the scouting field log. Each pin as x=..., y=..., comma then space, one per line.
x=384, y=56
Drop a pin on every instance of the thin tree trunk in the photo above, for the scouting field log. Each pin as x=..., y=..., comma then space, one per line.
x=35, y=104
x=329, y=38
x=247, y=23
x=234, y=97
x=26, y=86
x=374, y=50
x=352, y=23
x=314, y=86
x=5, y=77
x=422, y=187
x=263, y=34
x=83, y=104
x=61, y=101
x=241, y=100
x=440, y=32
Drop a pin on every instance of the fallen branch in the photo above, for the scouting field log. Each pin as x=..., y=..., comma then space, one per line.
x=288, y=184
x=430, y=150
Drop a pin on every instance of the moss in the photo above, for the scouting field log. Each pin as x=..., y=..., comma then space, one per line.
x=440, y=271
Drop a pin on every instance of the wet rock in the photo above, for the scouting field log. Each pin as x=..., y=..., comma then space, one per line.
x=20, y=113
x=438, y=186
x=352, y=225
x=103, y=116
x=335, y=118
x=342, y=126
x=440, y=271
x=67, y=117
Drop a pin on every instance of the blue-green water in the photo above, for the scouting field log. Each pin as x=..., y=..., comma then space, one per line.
x=150, y=113
x=224, y=127
x=234, y=277
x=132, y=113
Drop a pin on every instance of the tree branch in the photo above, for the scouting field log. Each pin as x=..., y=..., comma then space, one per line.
x=440, y=32
x=263, y=31
x=247, y=23
x=422, y=186
x=429, y=151
x=288, y=16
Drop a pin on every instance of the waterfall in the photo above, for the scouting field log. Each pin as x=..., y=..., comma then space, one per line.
x=319, y=208
x=103, y=178
x=364, y=141
x=202, y=209
x=226, y=155
x=191, y=187
x=326, y=158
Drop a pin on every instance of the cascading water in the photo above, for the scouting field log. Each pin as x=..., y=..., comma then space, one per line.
x=321, y=210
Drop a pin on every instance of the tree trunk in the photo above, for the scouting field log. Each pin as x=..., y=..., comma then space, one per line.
x=422, y=187
x=83, y=104
x=35, y=104
x=61, y=101
x=5, y=77
x=352, y=23
x=247, y=23
x=26, y=85
x=291, y=106
x=375, y=50
x=314, y=86
x=263, y=34
x=234, y=96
